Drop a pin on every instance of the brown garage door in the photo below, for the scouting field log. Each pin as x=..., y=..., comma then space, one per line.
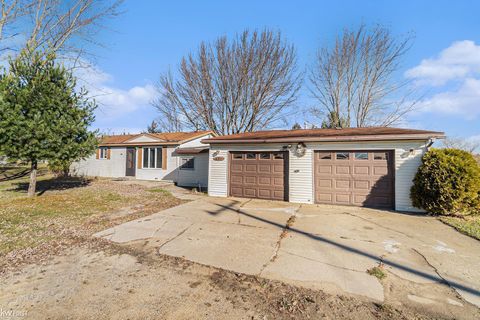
x=360, y=178
x=259, y=175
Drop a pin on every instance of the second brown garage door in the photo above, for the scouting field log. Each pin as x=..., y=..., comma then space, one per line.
x=361, y=178
x=259, y=175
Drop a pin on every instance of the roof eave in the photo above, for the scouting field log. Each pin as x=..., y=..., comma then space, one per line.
x=138, y=144
x=437, y=135
x=196, y=137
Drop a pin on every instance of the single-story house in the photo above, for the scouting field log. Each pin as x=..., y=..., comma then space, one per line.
x=356, y=166
x=179, y=157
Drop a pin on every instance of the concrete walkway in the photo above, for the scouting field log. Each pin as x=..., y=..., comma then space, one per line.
x=320, y=247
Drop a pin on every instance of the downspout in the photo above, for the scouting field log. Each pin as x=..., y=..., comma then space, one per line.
x=429, y=144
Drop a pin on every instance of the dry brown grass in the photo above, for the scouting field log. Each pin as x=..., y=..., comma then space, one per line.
x=66, y=211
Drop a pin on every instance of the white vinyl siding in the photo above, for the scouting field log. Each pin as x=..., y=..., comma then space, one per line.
x=196, y=177
x=114, y=168
x=301, y=168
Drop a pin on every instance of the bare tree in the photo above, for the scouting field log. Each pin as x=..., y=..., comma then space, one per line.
x=58, y=26
x=354, y=78
x=462, y=144
x=10, y=13
x=231, y=86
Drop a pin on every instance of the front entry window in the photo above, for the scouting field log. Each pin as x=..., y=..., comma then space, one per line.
x=152, y=158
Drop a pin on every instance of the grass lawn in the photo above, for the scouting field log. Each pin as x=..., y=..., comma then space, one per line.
x=469, y=225
x=66, y=210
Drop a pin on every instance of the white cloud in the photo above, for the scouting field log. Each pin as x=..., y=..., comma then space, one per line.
x=113, y=102
x=464, y=101
x=460, y=60
x=454, y=76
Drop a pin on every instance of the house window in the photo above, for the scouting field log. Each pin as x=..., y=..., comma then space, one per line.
x=188, y=164
x=361, y=156
x=343, y=156
x=103, y=153
x=380, y=156
x=325, y=155
x=152, y=158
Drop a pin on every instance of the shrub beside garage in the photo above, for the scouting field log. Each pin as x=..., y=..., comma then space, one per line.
x=447, y=183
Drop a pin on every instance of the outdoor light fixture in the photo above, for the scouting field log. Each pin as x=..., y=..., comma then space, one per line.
x=300, y=149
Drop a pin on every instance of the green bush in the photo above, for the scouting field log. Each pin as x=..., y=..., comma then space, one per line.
x=59, y=168
x=447, y=182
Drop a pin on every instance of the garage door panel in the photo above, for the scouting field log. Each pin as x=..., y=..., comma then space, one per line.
x=249, y=180
x=236, y=179
x=342, y=169
x=264, y=168
x=377, y=201
x=361, y=170
x=324, y=183
x=265, y=181
x=258, y=175
x=342, y=198
x=362, y=178
x=342, y=184
x=265, y=193
x=278, y=194
x=359, y=199
x=362, y=184
x=278, y=182
x=236, y=191
x=236, y=167
x=380, y=171
x=324, y=169
x=325, y=197
x=382, y=184
x=249, y=192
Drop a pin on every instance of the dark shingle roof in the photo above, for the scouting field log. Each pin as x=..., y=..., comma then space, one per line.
x=377, y=133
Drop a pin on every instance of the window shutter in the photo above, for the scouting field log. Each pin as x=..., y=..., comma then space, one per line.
x=164, y=158
x=140, y=154
x=98, y=153
x=108, y=153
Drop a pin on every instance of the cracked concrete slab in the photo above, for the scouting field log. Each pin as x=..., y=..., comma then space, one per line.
x=232, y=247
x=327, y=247
x=316, y=263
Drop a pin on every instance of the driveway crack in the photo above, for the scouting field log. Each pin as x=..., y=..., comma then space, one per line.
x=444, y=281
x=175, y=237
x=240, y=208
x=283, y=234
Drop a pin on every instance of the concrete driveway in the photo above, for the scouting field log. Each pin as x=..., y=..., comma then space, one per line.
x=320, y=247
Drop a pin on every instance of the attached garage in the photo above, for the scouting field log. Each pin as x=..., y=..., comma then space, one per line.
x=360, y=178
x=260, y=175
x=371, y=167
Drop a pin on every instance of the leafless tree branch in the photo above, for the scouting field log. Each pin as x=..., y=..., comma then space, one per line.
x=231, y=86
x=59, y=26
x=355, y=78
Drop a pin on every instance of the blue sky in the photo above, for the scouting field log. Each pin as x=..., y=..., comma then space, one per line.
x=152, y=36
